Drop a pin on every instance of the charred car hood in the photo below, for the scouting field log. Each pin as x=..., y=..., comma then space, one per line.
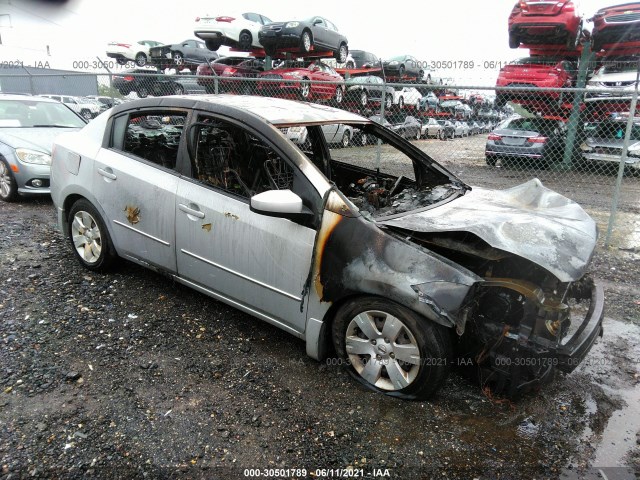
x=530, y=221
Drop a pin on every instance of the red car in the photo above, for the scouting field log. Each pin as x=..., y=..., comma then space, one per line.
x=546, y=23
x=287, y=81
x=533, y=73
x=230, y=71
x=617, y=24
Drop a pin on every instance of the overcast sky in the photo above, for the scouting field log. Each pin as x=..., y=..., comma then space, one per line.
x=455, y=31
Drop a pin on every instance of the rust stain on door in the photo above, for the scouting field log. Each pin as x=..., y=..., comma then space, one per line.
x=206, y=226
x=133, y=214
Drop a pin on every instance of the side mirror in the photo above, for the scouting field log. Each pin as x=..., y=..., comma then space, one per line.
x=280, y=203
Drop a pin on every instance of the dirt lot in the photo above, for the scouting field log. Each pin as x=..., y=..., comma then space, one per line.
x=130, y=375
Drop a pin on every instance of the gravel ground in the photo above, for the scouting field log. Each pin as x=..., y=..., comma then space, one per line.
x=129, y=375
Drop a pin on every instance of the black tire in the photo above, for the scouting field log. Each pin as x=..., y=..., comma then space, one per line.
x=401, y=71
x=364, y=98
x=514, y=41
x=338, y=96
x=213, y=45
x=245, y=40
x=305, y=89
x=419, y=379
x=86, y=114
x=346, y=139
x=441, y=135
x=491, y=161
x=306, y=41
x=142, y=91
x=350, y=65
x=429, y=78
x=98, y=234
x=388, y=102
x=342, y=53
x=178, y=58
x=8, y=184
x=121, y=61
x=363, y=139
x=141, y=59
x=178, y=89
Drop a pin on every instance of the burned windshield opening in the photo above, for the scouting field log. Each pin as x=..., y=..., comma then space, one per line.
x=379, y=173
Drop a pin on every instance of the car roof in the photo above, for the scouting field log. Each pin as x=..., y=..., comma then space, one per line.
x=276, y=111
x=19, y=96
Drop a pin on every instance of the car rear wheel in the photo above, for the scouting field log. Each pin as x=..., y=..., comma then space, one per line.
x=141, y=59
x=391, y=349
x=346, y=138
x=306, y=41
x=178, y=59
x=8, y=184
x=342, y=53
x=388, y=102
x=245, y=40
x=89, y=237
x=364, y=98
x=338, y=95
x=143, y=92
x=305, y=89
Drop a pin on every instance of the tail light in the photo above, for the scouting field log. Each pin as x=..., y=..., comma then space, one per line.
x=229, y=71
x=225, y=19
x=197, y=19
x=537, y=139
x=523, y=6
x=124, y=45
x=128, y=78
x=568, y=7
x=494, y=137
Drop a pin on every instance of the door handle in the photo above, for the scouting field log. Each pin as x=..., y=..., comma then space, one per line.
x=107, y=173
x=190, y=211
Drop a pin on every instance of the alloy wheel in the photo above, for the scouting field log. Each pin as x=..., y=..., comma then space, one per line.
x=86, y=235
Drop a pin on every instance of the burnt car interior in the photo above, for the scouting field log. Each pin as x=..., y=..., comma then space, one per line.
x=376, y=192
x=155, y=137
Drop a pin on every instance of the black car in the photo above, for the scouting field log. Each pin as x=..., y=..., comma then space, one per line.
x=191, y=52
x=364, y=59
x=146, y=82
x=367, y=90
x=315, y=33
x=448, y=128
x=403, y=66
x=526, y=141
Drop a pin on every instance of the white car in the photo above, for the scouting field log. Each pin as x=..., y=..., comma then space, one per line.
x=340, y=135
x=407, y=96
x=618, y=78
x=137, y=52
x=232, y=30
x=85, y=107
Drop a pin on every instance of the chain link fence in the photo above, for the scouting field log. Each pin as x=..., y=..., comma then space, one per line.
x=583, y=143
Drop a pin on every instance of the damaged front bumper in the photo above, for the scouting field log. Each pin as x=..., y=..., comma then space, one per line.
x=571, y=354
x=527, y=356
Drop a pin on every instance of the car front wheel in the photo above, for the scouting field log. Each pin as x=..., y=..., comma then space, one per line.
x=8, y=184
x=391, y=349
x=178, y=59
x=342, y=53
x=141, y=59
x=305, y=41
x=89, y=237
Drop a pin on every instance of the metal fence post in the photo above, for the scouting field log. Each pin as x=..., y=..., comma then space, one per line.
x=31, y=90
x=574, y=119
x=383, y=99
x=623, y=161
x=110, y=80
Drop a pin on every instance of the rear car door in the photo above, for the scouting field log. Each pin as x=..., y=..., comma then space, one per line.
x=251, y=260
x=135, y=181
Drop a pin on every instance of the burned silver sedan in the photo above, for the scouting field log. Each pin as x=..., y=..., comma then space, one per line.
x=376, y=254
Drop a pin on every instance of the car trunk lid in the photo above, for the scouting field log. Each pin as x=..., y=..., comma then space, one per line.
x=542, y=8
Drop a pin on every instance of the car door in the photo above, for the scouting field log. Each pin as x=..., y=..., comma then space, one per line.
x=250, y=260
x=319, y=31
x=135, y=181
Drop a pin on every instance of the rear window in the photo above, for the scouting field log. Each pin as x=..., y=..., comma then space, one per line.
x=540, y=125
